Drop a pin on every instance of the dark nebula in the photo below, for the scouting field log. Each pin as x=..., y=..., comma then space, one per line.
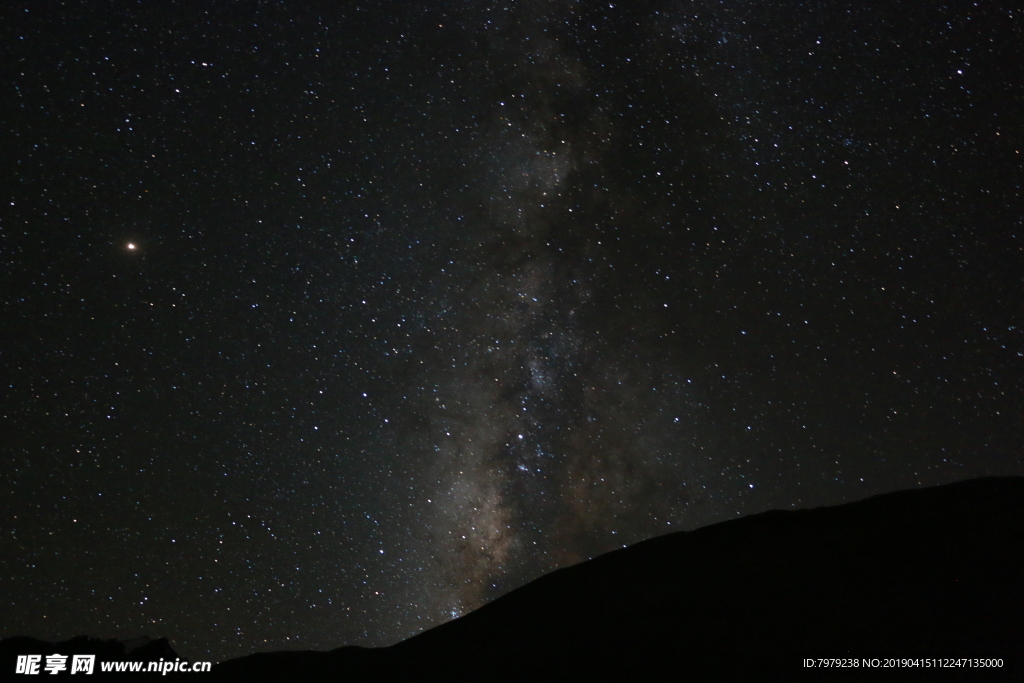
x=326, y=323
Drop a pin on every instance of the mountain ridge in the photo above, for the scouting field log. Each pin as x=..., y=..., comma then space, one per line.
x=932, y=572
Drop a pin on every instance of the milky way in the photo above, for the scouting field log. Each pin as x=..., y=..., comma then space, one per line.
x=546, y=441
x=429, y=299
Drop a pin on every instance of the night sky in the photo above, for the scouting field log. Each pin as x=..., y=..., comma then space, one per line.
x=325, y=323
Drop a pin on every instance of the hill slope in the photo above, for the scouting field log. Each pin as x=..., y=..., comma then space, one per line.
x=925, y=573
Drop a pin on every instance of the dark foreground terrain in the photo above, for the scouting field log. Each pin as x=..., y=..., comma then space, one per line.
x=932, y=573
x=926, y=573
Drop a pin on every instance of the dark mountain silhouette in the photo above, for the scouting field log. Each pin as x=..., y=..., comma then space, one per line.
x=935, y=572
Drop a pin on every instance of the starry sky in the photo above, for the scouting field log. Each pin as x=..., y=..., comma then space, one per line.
x=325, y=323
